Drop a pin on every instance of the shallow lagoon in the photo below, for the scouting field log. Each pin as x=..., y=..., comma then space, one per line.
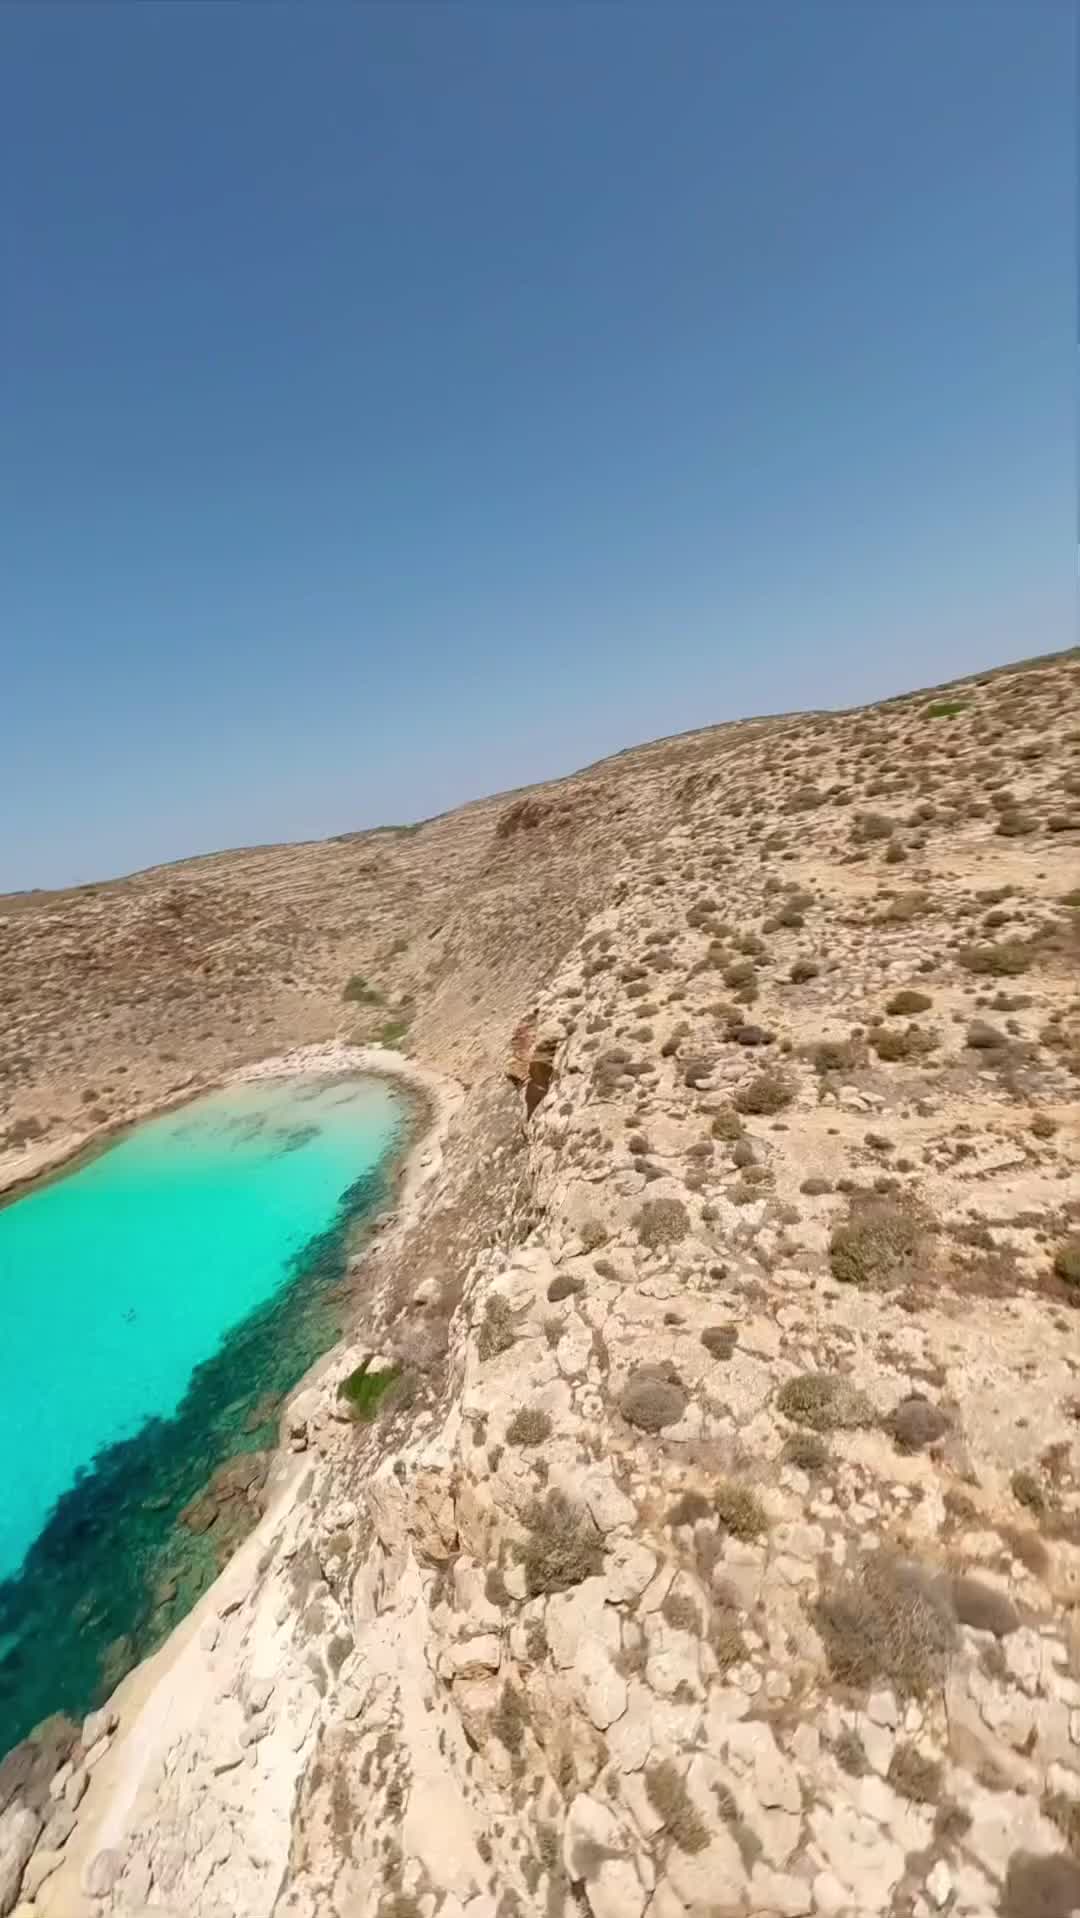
x=149, y=1300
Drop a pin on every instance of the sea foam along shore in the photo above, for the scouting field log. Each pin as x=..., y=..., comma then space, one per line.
x=177, y=1688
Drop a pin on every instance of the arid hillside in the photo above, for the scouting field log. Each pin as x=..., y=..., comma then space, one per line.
x=116, y=996
x=715, y=1550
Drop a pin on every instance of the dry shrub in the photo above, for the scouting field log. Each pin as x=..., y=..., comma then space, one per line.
x=1067, y=1261
x=981, y=1036
x=719, y=1340
x=891, y=1045
x=903, y=907
x=767, y=1092
x=888, y=1622
x=824, y=1401
x=835, y=1055
x=679, y=1611
x=850, y=1752
x=999, y=959
x=670, y=1800
x=916, y=1423
x=688, y=1509
x=1028, y=1492
x=563, y=1286
x=1040, y=1886
x=662, y=1222
x=727, y=1125
x=653, y=1396
x=806, y=1451
x=879, y=1243
x=725, y=1638
x=983, y=1607
x=529, y=1426
x=563, y=1545
x=908, y=1000
x=1064, y=1812
x=496, y=1328
x=738, y=1510
x=509, y=1719
x=802, y=971
x=918, y=1778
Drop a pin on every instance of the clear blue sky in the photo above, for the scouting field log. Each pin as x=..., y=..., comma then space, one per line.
x=403, y=402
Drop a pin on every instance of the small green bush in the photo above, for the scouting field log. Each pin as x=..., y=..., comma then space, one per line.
x=392, y=1032
x=945, y=708
x=362, y=1391
x=357, y=992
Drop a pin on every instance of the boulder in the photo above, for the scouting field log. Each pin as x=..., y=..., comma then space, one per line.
x=19, y=1828
x=101, y=1873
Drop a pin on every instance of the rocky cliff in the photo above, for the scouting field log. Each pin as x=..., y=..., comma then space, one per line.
x=717, y=1550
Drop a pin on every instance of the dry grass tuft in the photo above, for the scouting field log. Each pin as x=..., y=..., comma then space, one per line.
x=739, y=1511
x=562, y=1548
x=888, y=1622
x=496, y=1327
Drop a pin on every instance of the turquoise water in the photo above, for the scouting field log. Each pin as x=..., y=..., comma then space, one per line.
x=148, y=1301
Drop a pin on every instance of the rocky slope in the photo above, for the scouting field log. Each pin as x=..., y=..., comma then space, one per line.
x=717, y=1548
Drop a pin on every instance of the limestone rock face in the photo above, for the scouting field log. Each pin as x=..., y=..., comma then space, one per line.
x=717, y=1553
x=19, y=1828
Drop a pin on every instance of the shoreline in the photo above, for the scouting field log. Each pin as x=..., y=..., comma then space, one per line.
x=174, y=1679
